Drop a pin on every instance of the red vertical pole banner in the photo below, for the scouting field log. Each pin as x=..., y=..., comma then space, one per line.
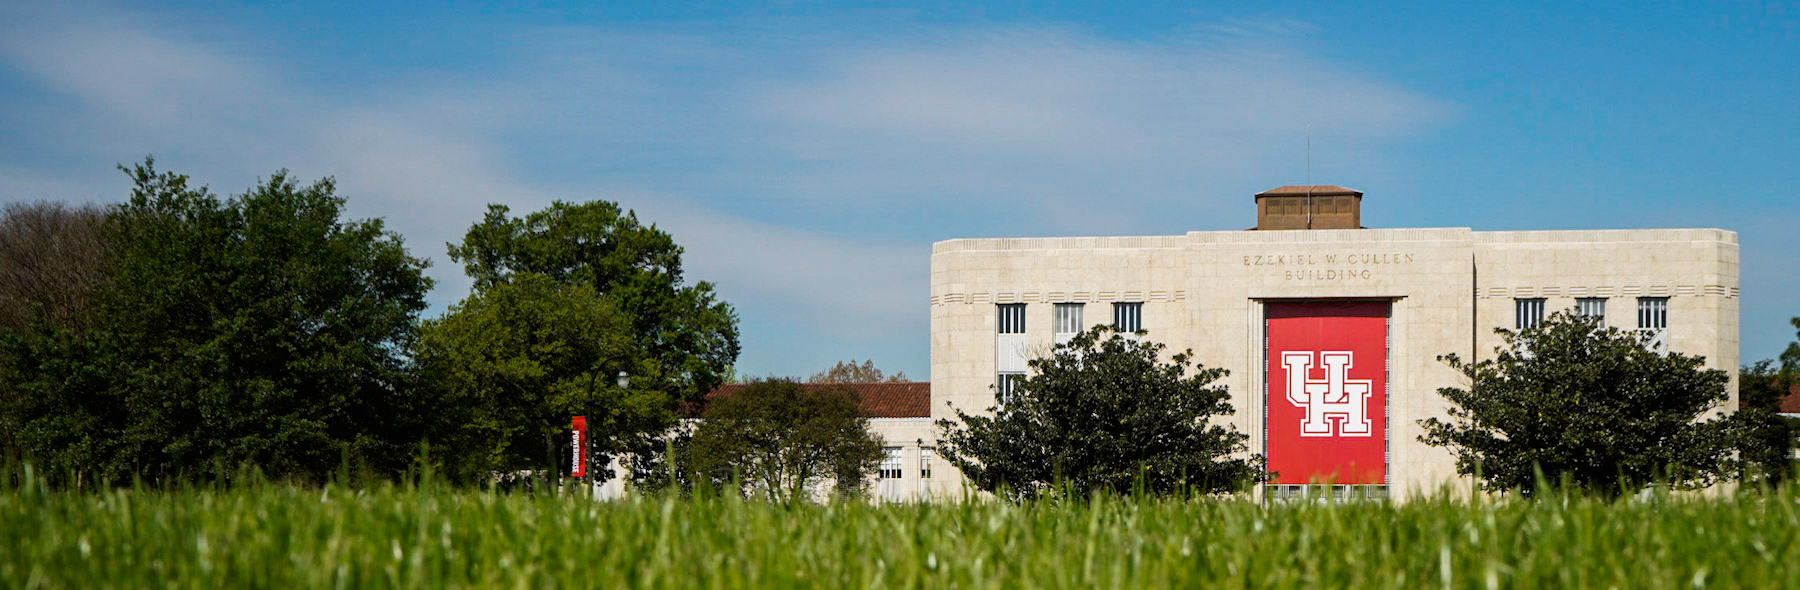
x=578, y=452
x=1327, y=402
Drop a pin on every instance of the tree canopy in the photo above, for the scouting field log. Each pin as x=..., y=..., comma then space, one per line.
x=1765, y=438
x=1790, y=358
x=557, y=293
x=1104, y=412
x=257, y=329
x=509, y=365
x=50, y=256
x=779, y=438
x=1587, y=405
x=184, y=334
x=851, y=372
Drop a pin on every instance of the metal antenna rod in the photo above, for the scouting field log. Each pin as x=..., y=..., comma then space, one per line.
x=1309, y=184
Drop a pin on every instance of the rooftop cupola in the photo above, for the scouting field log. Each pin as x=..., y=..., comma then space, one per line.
x=1309, y=206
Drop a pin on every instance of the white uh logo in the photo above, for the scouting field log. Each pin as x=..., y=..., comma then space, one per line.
x=1336, y=396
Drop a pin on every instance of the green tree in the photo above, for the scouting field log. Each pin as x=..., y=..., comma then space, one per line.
x=850, y=372
x=779, y=438
x=510, y=364
x=257, y=329
x=556, y=294
x=1589, y=406
x=1790, y=358
x=50, y=257
x=1765, y=439
x=1105, y=413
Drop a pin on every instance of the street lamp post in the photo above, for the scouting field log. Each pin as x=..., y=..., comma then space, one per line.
x=621, y=379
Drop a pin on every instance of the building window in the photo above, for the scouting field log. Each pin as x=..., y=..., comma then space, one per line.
x=1068, y=322
x=1068, y=318
x=889, y=471
x=1528, y=313
x=1012, y=318
x=1653, y=313
x=1010, y=351
x=890, y=463
x=1006, y=386
x=1653, y=323
x=925, y=454
x=1592, y=307
x=1128, y=317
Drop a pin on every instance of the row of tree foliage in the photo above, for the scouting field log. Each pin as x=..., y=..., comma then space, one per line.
x=1568, y=403
x=180, y=335
x=1574, y=403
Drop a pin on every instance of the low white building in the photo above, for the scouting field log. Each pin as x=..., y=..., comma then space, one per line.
x=899, y=413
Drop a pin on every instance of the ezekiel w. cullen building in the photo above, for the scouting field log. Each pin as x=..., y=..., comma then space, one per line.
x=1331, y=330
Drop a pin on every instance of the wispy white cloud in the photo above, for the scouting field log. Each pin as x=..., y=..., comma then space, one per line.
x=848, y=289
x=806, y=177
x=154, y=81
x=1062, y=95
x=1063, y=128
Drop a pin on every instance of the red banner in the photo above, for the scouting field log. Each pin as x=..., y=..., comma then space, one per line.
x=1327, y=419
x=578, y=450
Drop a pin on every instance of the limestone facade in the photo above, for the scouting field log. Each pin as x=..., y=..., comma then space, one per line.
x=1449, y=289
x=911, y=442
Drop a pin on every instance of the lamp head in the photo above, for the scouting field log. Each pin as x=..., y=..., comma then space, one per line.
x=623, y=380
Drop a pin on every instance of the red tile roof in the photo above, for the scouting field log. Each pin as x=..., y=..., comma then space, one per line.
x=1790, y=403
x=910, y=399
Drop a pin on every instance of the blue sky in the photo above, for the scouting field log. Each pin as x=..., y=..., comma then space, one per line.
x=807, y=154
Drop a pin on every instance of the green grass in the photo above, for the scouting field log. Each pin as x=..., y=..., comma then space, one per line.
x=280, y=536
